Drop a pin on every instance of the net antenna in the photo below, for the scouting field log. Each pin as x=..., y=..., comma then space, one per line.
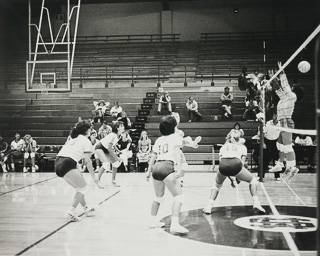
x=54, y=54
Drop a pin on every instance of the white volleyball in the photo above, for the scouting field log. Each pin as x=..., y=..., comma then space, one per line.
x=304, y=66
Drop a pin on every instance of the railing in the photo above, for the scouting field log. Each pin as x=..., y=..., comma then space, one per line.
x=131, y=38
x=254, y=35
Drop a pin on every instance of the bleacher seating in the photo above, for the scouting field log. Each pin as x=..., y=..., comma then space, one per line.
x=48, y=118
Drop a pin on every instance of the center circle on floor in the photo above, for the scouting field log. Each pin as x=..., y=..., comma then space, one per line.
x=239, y=226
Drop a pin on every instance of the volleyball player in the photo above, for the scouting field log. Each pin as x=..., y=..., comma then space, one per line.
x=232, y=157
x=187, y=142
x=285, y=109
x=105, y=151
x=165, y=154
x=77, y=146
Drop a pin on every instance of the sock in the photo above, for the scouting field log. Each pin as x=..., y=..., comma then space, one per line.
x=174, y=220
x=211, y=201
x=255, y=199
x=153, y=219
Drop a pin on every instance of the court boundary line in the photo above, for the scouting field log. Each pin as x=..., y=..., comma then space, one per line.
x=61, y=227
x=28, y=185
x=291, y=243
x=291, y=189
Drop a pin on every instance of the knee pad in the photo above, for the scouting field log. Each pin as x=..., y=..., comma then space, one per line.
x=254, y=181
x=179, y=198
x=26, y=155
x=106, y=165
x=217, y=187
x=32, y=155
x=159, y=200
x=287, y=148
x=83, y=190
x=116, y=164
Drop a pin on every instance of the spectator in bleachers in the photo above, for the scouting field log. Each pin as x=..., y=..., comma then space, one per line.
x=252, y=107
x=116, y=110
x=125, y=119
x=242, y=79
x=123, y=147
x=16, y=150
x=29, y=148
x=94, y=141
x=104, y=130
x=304, y=140
x=3, y=149
x=100, y=109
x=226, y=100
x=237, y=127
x=193, y=111
x=144, y=149
x=165, y=100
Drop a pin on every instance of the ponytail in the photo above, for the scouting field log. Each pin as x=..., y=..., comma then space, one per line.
x=80, y=128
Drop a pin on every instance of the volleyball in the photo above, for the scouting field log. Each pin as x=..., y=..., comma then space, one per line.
x=304, y=66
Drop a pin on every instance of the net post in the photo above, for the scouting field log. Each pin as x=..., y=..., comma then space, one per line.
x=317, y=93
x=260, y=171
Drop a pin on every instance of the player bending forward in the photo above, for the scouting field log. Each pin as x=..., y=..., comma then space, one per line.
x=165, y=154
x=232, y=157
x=77, y=146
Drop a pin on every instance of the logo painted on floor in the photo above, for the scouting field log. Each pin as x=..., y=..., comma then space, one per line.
x=239, y=226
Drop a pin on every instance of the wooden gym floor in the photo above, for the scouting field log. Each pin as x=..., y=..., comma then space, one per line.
x=33, y=205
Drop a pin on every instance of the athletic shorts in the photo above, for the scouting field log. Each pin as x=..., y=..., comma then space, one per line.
x=100, y=146
x=285, y=138
x=63, y=165
x=162, y=169
x=230, y=166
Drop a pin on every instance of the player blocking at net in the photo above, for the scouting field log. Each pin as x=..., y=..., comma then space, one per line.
x=232, y=161
x=285, y=108
x=165, y=156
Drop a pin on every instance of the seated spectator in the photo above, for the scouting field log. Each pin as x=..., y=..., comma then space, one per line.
x=242, y=80
x=3, y=149
x=144, y=149
x=116, y=110
x=100, y=109
x=125, y=119
x=251, y=104
x=123, y=147
x=237, y=127
x=226, y=100
x=104, y=130
x=304, y=140
x=94, y=141
x=192, y=107
x=29, y=148
x=165, y=100
x=16, y=150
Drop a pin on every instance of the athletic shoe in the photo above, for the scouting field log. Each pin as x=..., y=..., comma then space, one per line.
x=115, y=184
x=96, y=170
x=257, y=206
x=196, y=141
x=177, y=228
x=277, y=168
x=208, y=208
x=278, y=179
x=33, y=169
x=190, y=121
x=89, y=210
x=70, y=215
x=4, y=168
x=157, y=224
x=13, y=168
x=25, y=169
x=293, y=172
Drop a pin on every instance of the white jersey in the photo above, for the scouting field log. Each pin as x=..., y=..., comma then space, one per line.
x=110, y=138
x=165, y=147
x=75, y=148
x=233, y=150
x=93, y=146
